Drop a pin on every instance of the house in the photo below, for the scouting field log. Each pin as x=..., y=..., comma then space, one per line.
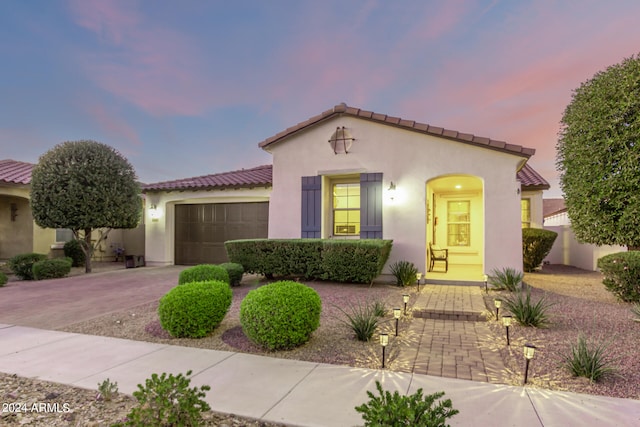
x=566, y=248
x=20, y=234
x=347, y=174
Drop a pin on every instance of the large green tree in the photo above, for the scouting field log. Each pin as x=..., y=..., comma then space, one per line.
x=598, y=156
x=84, y=186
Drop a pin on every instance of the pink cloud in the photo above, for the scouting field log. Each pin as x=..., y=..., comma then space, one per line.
x=113, y=125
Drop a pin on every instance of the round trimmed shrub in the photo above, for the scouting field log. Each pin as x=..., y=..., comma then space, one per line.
x=3, y=279
x=235, y=272
x=73, y=250
x=203, y=273
x=281, y=315
x=621, y=273
x=51, y=268
x=193, y=310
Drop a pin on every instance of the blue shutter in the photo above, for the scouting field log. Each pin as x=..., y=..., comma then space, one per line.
x=311, y=206
x=371, y=206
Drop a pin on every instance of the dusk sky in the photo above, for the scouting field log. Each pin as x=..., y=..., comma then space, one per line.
x=187, y=88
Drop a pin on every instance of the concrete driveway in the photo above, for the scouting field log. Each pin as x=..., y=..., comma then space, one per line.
x=53, y=304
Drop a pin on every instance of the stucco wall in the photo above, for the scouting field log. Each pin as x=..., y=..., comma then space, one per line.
x=409, y=159
x=536, y=207
x=160, y=233
x=17, y=234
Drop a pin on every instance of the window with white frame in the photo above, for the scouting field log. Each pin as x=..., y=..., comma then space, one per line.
x=346, y=209
x=458, y=223
x=525, y=208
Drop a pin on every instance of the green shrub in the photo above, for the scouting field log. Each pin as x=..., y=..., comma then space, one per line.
x=507, y=278
x=107, y=389
x=404, y=272
x=73, y=250
x=356, y=261
x=203, y=273
x=362, y=318
x=414, y=410
x=527, y=313
x=168, y=401
x=379, y=308
x=51, y=268
x=235, y=272
x=22, y=265
x=194, y=309
x=281, y=315
x=3, y=279
x=536, y=244
x=588, y=359
x=622, y=274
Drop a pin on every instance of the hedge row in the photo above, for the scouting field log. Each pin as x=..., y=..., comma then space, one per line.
x=352, y=261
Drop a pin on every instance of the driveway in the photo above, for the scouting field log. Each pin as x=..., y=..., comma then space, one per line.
x=53, y=304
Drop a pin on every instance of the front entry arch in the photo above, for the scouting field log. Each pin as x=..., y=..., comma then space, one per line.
x=455, y=221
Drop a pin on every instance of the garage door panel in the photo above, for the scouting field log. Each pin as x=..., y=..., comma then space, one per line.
x=201, y=230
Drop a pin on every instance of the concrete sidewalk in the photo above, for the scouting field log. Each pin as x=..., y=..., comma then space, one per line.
x=290, y=391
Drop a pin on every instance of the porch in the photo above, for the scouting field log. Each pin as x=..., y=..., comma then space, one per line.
x=458, y=274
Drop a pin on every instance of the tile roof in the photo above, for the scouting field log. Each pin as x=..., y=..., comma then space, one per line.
x=344, y=110
x=261, y=176
x=532, y=179
x=552, y=207
x=258, y=176
x=14, y=172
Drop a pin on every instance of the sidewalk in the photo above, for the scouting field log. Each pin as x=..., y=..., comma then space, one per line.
x=289, y=391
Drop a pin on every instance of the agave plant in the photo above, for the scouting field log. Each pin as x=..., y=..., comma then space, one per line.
x=507, y=278
x=362, y=318
x=404, y=271
x=635, y=309
x=527, y=312
x=589, y=359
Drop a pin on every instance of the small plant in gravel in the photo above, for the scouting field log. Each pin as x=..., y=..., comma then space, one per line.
x=362, y=318
x=589, y=359
x=167, y=400
x=635, y=309
x=107, y=390
x=526, y=312
x=3, y=279
x=379, y=308
x=203, y=273
x=414, y=410
x=281, y=315
x=193, y=310
x=404, y=272
x=507, y=278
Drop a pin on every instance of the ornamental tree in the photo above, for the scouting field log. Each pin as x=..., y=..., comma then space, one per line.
x=84, y=186
x=598, y=156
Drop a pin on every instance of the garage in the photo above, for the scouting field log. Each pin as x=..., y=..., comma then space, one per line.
x=202, y=229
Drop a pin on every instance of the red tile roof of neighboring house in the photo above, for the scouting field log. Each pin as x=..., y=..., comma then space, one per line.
x=552, y=207
x=254, y=177
x=532, y=179
x=261, y=176
x=344, y=110
x=14, y=172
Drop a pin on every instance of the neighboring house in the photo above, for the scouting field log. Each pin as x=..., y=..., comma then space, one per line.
x=19, y=233
x=566, y=249
x=349, y=174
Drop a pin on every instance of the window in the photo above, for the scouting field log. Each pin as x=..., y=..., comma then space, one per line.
x=346, y=209
x=525, y=208
x=458, y=223
x=63, y=235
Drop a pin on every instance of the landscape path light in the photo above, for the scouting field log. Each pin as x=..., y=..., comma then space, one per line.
x=486, y=286
x=384, y=340
x=529, y=351
x=497, y=303
x=396, y=314
x=405, y=298
x=506, y=321
x=418, y=277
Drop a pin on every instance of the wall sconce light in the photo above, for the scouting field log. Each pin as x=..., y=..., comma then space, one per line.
x=14, y=211
x=497, y=303
x=384, y=341
x=529, y=351
x=154, y=213
x=418, y=277
x=405, y=299
x=506, y=321
x=392, y=190
x=396, y=314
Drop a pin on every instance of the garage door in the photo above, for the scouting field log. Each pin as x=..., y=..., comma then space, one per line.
x=202, y=229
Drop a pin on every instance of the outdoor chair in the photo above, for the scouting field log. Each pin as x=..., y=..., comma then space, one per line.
x=438, y=254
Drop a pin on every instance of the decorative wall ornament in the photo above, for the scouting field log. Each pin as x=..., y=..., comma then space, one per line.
x=341, y=140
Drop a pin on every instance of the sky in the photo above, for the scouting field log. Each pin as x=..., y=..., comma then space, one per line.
x=190, y=88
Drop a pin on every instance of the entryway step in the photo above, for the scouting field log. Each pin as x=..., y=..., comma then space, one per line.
x=450, y=302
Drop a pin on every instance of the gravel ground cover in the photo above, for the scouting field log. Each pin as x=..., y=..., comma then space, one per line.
x=581, y=304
